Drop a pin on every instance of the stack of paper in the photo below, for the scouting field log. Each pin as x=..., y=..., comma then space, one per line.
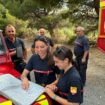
x=11, y=88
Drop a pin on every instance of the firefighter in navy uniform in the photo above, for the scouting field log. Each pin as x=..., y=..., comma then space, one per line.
x=67, y=90
x=41, y=63
x=13, y=43
x=81, y=51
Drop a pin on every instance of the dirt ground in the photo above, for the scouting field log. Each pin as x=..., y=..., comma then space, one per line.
x=94, y=91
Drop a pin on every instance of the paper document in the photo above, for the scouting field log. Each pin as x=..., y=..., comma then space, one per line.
x=11, y=88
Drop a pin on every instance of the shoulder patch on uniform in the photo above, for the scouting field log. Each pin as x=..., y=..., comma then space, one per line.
x=73, y=90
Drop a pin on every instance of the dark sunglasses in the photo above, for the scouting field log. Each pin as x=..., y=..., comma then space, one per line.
x=10, y=31
x=41, y=32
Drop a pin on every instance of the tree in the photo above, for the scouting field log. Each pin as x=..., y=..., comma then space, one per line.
x=96, y=6
x=84, y=12
x=46, y=13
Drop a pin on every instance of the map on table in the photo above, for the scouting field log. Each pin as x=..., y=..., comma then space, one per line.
x=10, y=87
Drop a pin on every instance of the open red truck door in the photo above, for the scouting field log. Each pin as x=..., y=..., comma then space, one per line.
x=6, y=64
x=101, y=37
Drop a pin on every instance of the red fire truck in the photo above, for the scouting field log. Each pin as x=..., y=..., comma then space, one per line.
x=101, y=37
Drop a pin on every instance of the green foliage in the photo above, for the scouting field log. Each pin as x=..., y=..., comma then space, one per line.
x=21, y=26
x=71, y=40
x=28, y=6
x=2, y=15
x=50, y=14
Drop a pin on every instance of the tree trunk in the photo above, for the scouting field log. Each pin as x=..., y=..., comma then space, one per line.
x=96, y=6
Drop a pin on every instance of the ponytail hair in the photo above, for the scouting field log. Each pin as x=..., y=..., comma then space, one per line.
x=63, y=52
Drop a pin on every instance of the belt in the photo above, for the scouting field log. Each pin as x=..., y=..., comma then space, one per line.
x=43, y=72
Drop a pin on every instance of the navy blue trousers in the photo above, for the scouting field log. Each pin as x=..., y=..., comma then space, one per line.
x=81, y=69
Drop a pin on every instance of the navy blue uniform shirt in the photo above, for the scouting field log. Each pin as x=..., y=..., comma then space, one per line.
x=81, y=44
x=37, y=64
x=70, y=86
x=12, y=46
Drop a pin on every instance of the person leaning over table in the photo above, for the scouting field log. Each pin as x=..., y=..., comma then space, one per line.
x=41, y=63
x=67, y=90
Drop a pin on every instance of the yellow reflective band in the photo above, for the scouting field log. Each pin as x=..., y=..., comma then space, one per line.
x=6, y=103
x=42, y=100
x=41, y=97
x=102, y=4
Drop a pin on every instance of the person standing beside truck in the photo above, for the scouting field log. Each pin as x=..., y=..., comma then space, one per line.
x=81, y=51
x=16, y=48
